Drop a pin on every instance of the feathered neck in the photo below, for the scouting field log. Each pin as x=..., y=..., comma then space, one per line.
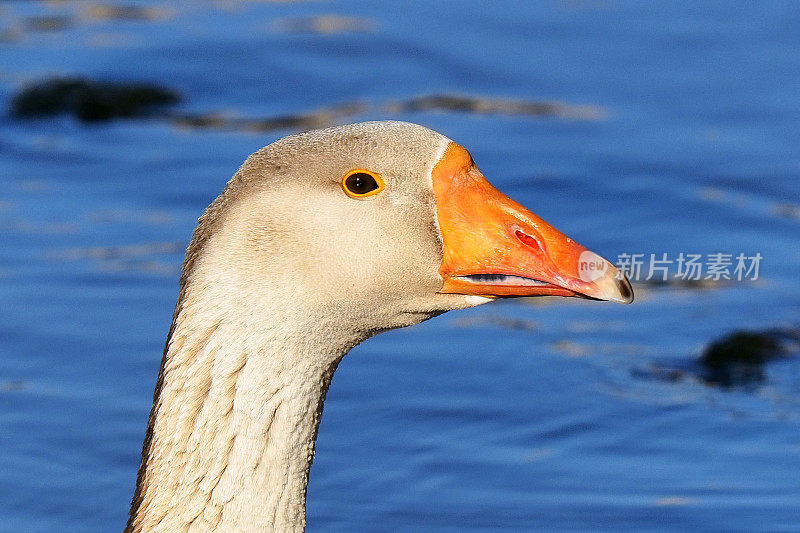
x=237, y=405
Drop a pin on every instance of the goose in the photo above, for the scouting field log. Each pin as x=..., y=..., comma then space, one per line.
x=319, y=241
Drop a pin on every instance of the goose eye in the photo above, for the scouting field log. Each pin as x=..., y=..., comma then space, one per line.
x=361, y=183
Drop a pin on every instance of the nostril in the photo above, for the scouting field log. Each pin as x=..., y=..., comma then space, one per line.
x=529, y=241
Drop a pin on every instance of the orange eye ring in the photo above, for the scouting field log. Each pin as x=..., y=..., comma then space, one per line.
x=360, y=183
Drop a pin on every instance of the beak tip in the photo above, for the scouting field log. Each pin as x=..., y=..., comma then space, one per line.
x=624, y=290
x=609, y=283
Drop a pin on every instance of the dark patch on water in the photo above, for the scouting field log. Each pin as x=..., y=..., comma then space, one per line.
x=505, y=106
x=125, y=13
x=90, y=100
x=48, y=23
x=300, y=121
x=740, y=358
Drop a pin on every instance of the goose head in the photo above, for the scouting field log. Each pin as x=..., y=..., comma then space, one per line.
x=380, y=225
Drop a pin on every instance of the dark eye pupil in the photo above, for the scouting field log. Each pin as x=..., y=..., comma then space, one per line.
x=361, y=183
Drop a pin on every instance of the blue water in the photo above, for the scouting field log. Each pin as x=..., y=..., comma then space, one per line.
x=518, y=415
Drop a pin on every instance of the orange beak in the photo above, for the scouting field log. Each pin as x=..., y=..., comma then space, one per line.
x=494, y=247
